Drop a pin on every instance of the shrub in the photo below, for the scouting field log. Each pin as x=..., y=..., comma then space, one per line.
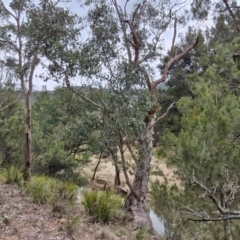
x=12, y=175
x=102, y=205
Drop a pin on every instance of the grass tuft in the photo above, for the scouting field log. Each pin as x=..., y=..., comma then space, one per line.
x=71, y=224
x=12, y=174
x=49, y=190
x=42, y=189
x=141, y=234
x=103, y=205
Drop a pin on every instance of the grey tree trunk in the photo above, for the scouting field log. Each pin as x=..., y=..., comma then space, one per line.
x=136, y=200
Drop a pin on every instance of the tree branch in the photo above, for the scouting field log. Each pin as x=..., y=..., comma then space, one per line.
x=211, y=195
x=161, y=117
x=120, y=145
x=10, y=43
x=232, y=15
x=33, y=66
x=123, y=30
x=174, y=37
x=5, y=107
x=6, y=10
x=172, y=60
x=202, y=219
x=81, y=95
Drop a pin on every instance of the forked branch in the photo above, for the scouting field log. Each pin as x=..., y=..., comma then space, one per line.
x=172, y=60
x=161, y=117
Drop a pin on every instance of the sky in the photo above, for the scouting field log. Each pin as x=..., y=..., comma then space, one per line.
x=74, y=7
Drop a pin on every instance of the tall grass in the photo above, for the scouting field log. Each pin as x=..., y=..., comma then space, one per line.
x=49, y=190
x=103, y=205
x=12, y=174
x=42, y=189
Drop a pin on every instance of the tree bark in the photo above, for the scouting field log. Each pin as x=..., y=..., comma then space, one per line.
x=95, y=170
x=136, y=201
x=117, y=180
x=28, y=135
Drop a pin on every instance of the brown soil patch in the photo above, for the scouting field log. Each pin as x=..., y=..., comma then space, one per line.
x=21, y=219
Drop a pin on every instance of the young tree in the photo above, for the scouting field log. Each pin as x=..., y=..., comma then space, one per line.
x=27, y=32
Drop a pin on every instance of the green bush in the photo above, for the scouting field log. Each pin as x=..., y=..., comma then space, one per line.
x=102, y=205
x=12, y=174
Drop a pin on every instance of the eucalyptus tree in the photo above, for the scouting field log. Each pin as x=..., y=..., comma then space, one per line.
x=125, y=41
x=27, y=31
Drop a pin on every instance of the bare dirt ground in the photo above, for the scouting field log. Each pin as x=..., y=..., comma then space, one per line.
x=21, y=219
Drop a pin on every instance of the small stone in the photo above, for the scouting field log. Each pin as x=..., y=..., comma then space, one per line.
x=62, y=220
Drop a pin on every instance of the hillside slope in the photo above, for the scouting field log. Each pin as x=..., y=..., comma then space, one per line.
x=21, y=219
